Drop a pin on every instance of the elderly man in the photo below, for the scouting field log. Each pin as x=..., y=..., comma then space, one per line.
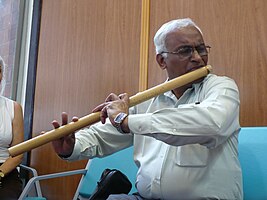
x=185, y=140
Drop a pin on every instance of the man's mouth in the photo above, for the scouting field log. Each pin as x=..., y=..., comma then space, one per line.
x=195, y=68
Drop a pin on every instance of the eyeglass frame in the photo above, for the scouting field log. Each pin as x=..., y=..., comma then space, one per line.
x=193, y=49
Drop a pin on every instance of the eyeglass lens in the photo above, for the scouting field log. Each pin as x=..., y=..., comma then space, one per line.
x=187, y=51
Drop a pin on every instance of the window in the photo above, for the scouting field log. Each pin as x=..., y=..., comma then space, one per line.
x=9, y=21
x=15, y=32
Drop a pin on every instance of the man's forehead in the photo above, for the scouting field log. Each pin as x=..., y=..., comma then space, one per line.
x=189, y=34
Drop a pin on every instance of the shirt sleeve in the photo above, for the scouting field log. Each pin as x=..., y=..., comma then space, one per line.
x=209, y=122
x=99, y=140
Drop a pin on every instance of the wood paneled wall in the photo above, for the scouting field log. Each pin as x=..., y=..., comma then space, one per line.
x=236, y=31
x=90, y=48
x=87, y=49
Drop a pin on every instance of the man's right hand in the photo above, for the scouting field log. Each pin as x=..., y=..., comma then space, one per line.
x=64, y=146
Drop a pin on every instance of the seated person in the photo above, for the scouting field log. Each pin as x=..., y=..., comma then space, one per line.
x=11, y=133
x=185, y=140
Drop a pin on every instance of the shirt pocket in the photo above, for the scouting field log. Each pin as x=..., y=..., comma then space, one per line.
x=192, y=155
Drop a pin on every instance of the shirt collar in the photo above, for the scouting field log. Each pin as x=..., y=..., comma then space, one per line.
x=195, y=87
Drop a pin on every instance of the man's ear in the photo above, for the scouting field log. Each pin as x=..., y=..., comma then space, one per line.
x=161, y=61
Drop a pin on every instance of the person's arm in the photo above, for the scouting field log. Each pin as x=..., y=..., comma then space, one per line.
x=18, y=136
x=96, y=141
x=208, y=123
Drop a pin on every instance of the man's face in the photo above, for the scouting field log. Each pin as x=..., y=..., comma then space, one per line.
x=174, y=64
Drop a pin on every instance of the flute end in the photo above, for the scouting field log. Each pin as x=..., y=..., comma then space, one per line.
x=209, y=68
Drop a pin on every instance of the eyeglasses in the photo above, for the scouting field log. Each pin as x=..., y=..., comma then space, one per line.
x=185, y=52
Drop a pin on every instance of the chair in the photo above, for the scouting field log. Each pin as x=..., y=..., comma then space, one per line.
x=122, y=160
x=253, y=159
x=36, y=184
x=27, y=191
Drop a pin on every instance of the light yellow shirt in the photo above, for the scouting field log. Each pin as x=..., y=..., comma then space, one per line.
x=185, y=148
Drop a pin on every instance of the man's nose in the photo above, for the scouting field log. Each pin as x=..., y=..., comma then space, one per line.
x=195, y=54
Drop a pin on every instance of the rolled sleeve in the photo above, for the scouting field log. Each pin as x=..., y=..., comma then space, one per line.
x=99, y=140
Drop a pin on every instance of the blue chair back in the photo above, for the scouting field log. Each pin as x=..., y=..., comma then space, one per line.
x=253, y=159
x=122, y=160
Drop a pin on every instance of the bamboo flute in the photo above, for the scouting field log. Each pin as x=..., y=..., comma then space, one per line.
x=95, y=117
